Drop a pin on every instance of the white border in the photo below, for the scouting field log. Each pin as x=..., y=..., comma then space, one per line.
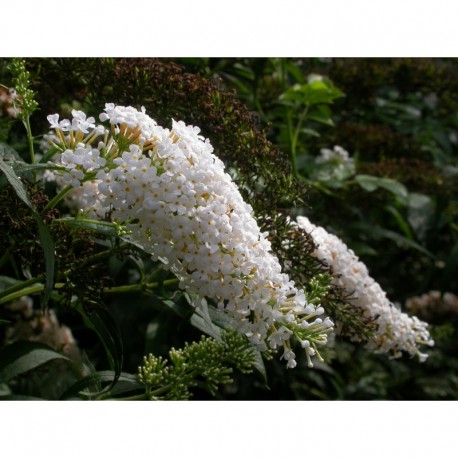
x=236, y=28
x=228, y=429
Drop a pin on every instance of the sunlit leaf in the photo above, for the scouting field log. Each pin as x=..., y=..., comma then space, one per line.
x=321, y=114
x=201, y=320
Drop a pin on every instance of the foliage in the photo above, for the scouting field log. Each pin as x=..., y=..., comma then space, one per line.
x=392, y=199
x=397, y=207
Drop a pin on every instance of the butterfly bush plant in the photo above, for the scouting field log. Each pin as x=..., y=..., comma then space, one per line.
x=118, y=195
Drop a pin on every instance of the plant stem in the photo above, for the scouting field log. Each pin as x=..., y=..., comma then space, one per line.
x=139, y=286
x=57, y=198
x=137, y=397
x=161, y=390
x=294, y=137
x=292, y=150
x=21, y=286
x=23, y=289
x=29, y=138
x=22, y=292
x=298, y=127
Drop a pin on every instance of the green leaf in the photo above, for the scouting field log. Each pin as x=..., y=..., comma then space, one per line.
x=310, y=132
x=244, y=72
x=16, y=183
x=295, y=71
x=292, y=94
x=317, y=92
x=371, y=183
x=400, y=240
x=19, y=397
x=9, y=154
x=260, y=366
x=100, y=320
x=123, y=383
x=321, y=114
x=45, y=236
x=241, y=88
x=7, y=282
x=24, y=356
x=320, y=91
x=420, y=213
x=201, y=320
x=402, y=223
x=182, y=308
x=367, y=182
x=362, y=249
x=220, y=318
x=24, y=167
x=48, y=246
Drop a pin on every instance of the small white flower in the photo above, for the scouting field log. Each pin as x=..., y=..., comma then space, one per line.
x=80, y=123
x=337, y=155
x=53, y=120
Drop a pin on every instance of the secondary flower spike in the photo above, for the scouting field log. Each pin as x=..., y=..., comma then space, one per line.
x=396, y=331
x=185, y=210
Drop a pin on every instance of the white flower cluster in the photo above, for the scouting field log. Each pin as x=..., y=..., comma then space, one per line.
x=396, y=331
x=337, y=155
x=184, y=209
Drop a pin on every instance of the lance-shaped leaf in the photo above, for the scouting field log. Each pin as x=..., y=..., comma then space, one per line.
x=100, y=320
x=45, y=236
x=24, y=356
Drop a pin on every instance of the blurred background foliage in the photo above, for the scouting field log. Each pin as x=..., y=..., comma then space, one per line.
x=394, y=204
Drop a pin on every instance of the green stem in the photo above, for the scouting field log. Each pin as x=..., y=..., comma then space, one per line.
x=294, y=136
x=161, y=390
x=21, y=285
x=257, y=103
x=139, y=287
x=21, y=288
x=137, y=397
x=292, y=150
x=298, y=127
x=57, y=198
x=22, y=292
x=99, y=257
x=29, y=138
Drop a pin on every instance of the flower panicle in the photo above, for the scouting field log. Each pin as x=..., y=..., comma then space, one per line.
x=395, y=332
x=190, y=215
